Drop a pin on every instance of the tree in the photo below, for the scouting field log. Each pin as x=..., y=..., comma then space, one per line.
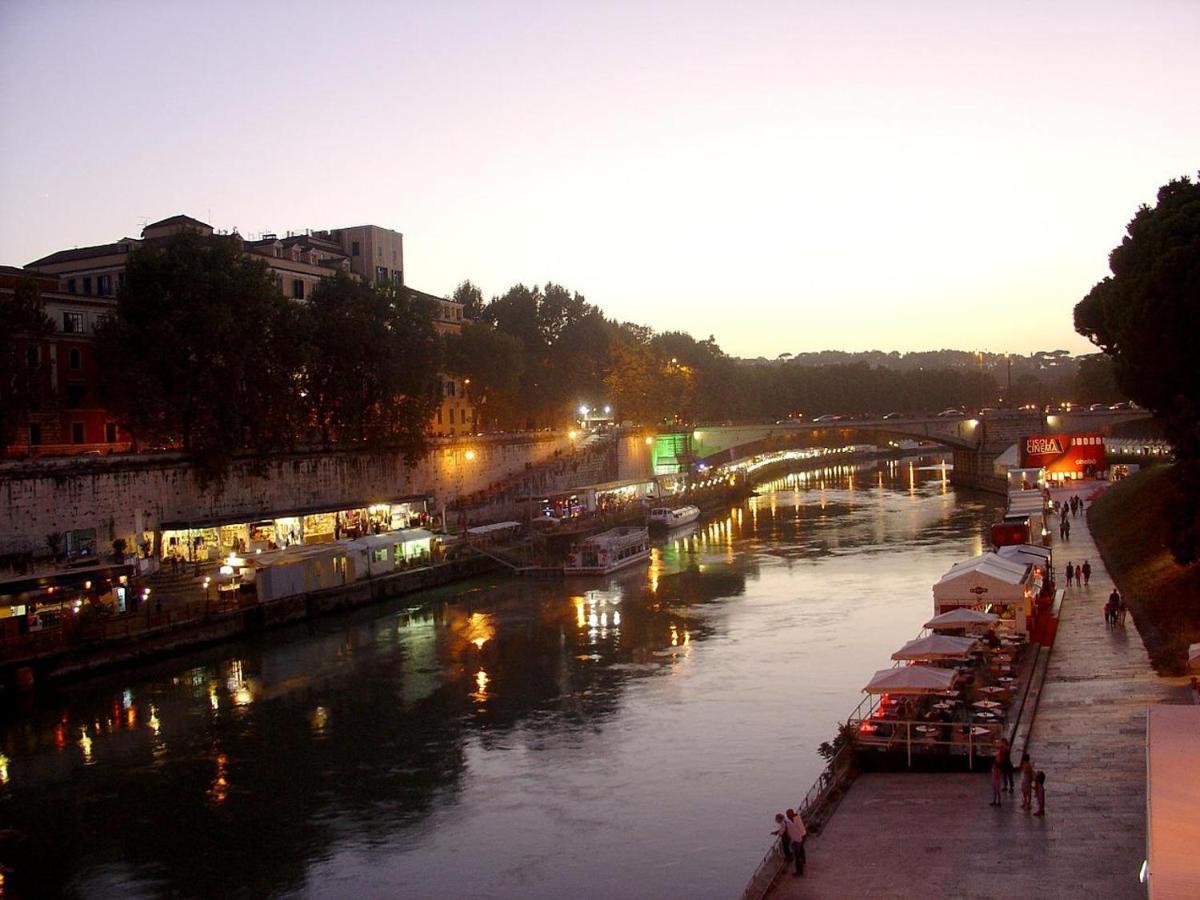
x=24, y=371
x=1146, y=317
x=198, y=351
x=471, y=298
x=492, y=362
x=369, y=372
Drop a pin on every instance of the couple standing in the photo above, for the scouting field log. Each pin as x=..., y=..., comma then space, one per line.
x=792, y=832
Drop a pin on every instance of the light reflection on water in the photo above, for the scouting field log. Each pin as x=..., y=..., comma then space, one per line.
x=622, y=737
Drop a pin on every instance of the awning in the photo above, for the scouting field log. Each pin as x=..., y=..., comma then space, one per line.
x=961, y=618
x=910, y=680
x=936, y=646
x=1194, y=657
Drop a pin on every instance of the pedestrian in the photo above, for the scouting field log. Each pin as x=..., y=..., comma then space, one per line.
x=785, y=843
x=796, y=833
x=1067, y=528
x=1039, y=792
x=1122, y=609
x=997, y=781
x=1026, y=783
x=1070, y=574
x=1004, y=757
x=1086, y=569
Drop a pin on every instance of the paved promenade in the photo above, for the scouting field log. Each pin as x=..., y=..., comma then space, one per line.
x=934, y=835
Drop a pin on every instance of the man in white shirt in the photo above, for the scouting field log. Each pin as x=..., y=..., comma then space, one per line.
x=796, y=833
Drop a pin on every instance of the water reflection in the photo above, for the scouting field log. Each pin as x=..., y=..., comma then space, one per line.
x=455, y=745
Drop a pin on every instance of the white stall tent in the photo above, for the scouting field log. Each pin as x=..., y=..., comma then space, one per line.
x=1027, y=554
x=910, y=680
x=989, y=580
x=382, y=554
x=299, y=569
x=936, y=646
x=962, y=617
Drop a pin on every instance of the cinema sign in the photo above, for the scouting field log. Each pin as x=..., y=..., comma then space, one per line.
x=1062, y=454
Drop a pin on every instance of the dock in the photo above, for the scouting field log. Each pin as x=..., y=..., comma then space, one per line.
x=934, y=835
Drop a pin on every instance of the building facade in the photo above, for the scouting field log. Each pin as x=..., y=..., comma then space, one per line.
x=79, y=287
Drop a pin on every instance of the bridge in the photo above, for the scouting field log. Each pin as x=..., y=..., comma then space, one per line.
x=975, y=442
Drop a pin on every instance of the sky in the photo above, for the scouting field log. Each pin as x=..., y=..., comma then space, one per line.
x=787, y=177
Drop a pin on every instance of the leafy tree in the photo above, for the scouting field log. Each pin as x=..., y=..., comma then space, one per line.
x=370, y=364
x=492, y=362
x=471, y=298
x=197, y=352
x=1096, y=380
x=24, y=379
x=1146, y=317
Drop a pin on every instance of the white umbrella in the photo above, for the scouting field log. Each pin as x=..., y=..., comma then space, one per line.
x=910, y=680
x=1194, y=657
x=962, y=617
x=936, y=646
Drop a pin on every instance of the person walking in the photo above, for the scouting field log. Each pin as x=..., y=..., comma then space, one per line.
x=785, y=843
x=1086, y=569
x=796, y=833
x=1067, y=529
x=1004, y=757
x=1026, y=783
x=1070, y=574
x=1039, y=793
x=997, y=781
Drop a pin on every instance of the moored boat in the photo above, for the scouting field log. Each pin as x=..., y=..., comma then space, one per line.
x=608, y=551
x=666, y=518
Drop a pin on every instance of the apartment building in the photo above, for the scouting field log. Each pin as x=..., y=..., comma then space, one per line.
x=79, y=286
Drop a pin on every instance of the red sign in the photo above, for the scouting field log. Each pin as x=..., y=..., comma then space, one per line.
x=1060, y=453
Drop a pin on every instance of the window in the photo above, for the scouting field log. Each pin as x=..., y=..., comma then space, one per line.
x=87, y=285
x=439, y=415
x=76, y=391
x=297, y=288
x=73, y=322
x=104, y=285
x=110, y=432
x=120, y=280
x=449, y=388
x=452, y=415
x=70, y=285
x=74, y=358
x=77, y=434
x=35, y=435
x=354, y=248
x=396, y=278
x=381, y=275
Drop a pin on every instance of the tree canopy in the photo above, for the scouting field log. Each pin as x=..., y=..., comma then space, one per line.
x=24, y=371
x=1146, y=317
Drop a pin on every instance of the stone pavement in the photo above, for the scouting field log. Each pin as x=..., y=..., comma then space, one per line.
x=934, y=835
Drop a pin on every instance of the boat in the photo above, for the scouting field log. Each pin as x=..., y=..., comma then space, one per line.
x=665, y=518
x=608, y=551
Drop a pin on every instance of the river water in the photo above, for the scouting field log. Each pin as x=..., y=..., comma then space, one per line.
x=622, y=737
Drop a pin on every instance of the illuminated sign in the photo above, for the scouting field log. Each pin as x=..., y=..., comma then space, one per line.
x=1080, y=454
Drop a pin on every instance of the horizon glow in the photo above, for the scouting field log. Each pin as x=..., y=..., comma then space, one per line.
x=787, y=178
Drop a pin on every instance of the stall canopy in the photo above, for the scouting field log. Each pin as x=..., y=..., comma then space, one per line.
x=962, y=618
x=493, y=528
x=1194, y=657
x=1025, y=554
x=910, y=680
x=936, y=646
x=989, y=578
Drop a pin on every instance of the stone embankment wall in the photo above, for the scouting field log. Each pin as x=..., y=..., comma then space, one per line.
x=124, y=496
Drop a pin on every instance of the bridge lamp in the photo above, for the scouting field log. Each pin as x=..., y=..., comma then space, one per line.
x=572, y=434
x=972, y=422
x=649, y=442
x=583, y=410
x=607, y=410
x=470, y=455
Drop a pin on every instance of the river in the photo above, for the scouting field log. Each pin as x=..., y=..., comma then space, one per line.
x=622, y=737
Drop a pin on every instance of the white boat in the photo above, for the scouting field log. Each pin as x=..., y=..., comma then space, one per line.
x=608, y=551
x=666, y=518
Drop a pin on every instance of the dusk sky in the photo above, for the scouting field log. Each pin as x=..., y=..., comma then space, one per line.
x=784, y=176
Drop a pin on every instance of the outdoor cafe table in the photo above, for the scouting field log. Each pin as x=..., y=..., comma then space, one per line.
x=926, y=730
x=992, y=689
x=987, y=704
x=986, y=716
x=980, y=730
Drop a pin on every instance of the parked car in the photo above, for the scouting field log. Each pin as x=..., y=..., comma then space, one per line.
x=894, y=415
x=952, y=414
x=1097, y=407
x=1124, y=404
x=828, y=417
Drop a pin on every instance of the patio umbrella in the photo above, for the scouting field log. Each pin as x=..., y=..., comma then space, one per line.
x=910, y=680
x=961, y=618
x=1194, y=657
x=936, y=646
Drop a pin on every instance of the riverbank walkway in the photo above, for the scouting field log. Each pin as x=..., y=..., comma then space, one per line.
x=934, y=835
